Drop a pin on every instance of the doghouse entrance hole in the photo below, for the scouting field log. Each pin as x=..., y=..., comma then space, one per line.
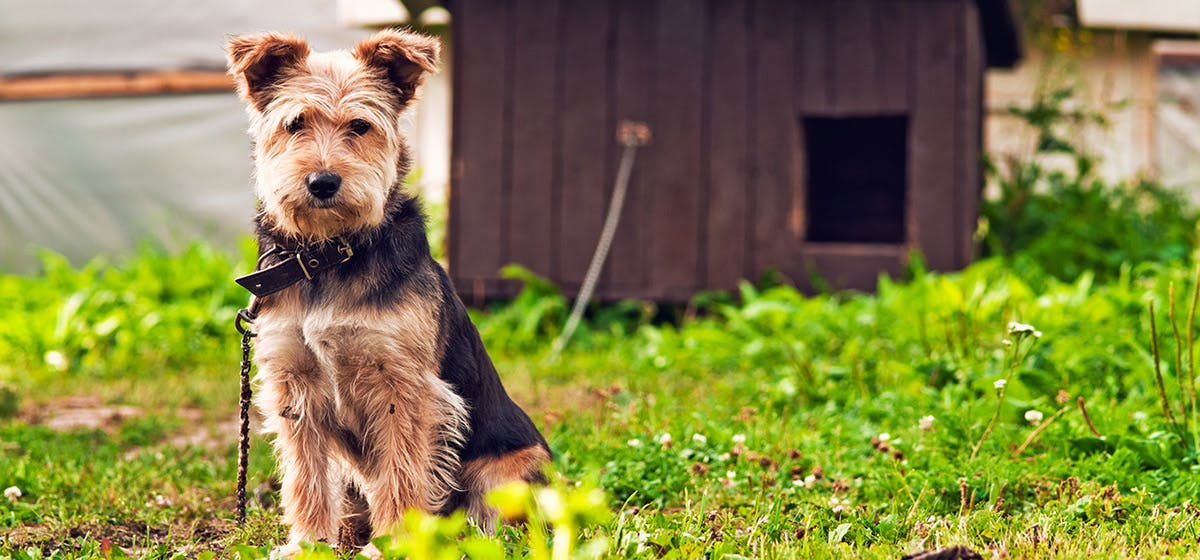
x=857, y=178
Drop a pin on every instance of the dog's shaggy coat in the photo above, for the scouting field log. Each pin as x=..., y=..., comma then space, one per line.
x=371, y=374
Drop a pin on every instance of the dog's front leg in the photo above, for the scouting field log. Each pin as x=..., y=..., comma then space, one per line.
x=297, y=401
x=413, y=425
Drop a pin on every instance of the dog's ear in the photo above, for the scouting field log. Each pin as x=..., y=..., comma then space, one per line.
x=257, y=62
x=405, y=56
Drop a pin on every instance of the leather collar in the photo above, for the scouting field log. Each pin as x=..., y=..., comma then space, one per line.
x=302, y=263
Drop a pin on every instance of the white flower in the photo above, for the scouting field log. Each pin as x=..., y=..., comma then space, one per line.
x=885, y=437
x=162, y=501
x=1000, y=383
x=810, y=481
x=12, y=493
x=739, y=438
x=1006, y=342
x=926, y=423
x=1139, y=416
x=699, y=438
x=723, y=457
x=1033, y=416
x=1021, y=329
x=731, y=475
x=838, y=505
x=1015, y=327
x=57, y=360
x=635, y=442
x=664, y=439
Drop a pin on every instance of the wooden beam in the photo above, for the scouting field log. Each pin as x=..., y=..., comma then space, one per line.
x=112, y=84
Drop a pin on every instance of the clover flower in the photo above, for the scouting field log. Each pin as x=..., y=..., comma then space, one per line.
x=925, y=423
x=12, y=493
x=838, y=505
x=1022, y=329
x=1000, y=383
x=57, y=360
x=1034, y=416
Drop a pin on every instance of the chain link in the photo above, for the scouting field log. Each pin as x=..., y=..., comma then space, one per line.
x=244, y=317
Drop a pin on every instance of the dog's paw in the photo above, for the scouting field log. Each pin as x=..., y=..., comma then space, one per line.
x=371, y=552
x=285, y=551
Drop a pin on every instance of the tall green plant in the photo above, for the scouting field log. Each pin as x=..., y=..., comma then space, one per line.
x=1062, y=218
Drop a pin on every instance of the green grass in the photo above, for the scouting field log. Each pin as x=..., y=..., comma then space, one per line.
x=776, y=405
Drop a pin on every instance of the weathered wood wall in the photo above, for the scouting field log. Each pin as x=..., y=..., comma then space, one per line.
x=719, y=194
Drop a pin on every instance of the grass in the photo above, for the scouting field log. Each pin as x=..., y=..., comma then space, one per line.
x=762, y=424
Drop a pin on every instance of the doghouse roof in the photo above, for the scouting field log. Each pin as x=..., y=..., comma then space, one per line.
x=997, y=18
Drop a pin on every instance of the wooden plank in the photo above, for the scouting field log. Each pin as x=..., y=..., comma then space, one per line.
x=893, y=49
x=112, y=84
x=534, y=134
x=816, y=85
x=475, y=235
x=630, y=87
x=680, y=44
x=778, y=214
x=970, y=127
x=933, y=174
x=586, y=138
x=728, y=79
x=855, y=68
x=852, y=266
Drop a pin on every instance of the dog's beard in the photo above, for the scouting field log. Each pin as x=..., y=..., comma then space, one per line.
x=310, y=219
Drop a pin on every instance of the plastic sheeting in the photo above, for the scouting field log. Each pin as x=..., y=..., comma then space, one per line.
x=91, y=176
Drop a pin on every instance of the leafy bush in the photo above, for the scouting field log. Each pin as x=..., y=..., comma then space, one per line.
x=151, y=314
x=1065, y=220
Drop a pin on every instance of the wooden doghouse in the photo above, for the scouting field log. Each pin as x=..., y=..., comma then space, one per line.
x=821, y=138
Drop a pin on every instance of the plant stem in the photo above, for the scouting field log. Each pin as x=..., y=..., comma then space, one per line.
x=1038, y=430
x=1012, y=364
x=1158, y=378
x=991, y=423
x=1179, y=373
x=1087, y=418
x=1191, y=347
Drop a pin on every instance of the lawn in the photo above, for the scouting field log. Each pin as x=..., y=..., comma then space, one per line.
x=764, y=423
x=1027, y=406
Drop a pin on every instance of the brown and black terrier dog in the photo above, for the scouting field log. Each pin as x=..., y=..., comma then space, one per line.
x=373, y=378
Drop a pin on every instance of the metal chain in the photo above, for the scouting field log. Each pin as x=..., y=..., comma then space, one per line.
x=631, y=135
x=244, y=316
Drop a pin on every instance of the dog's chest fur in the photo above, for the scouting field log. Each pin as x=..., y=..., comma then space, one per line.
x=330, y=351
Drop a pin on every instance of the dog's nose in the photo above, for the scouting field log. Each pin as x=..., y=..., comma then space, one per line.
x=323, y=184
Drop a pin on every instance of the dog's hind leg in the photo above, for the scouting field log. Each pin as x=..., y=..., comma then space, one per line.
x=483, y=474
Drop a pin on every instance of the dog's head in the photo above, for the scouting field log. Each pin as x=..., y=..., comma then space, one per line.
x=326, y=126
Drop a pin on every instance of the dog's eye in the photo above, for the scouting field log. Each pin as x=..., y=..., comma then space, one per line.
x=295, y=125
x=359, y=127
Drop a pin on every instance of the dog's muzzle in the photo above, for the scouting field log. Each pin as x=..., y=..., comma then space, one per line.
x=323, y=184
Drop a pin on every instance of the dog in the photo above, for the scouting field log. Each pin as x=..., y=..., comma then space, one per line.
x=372, y=377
